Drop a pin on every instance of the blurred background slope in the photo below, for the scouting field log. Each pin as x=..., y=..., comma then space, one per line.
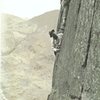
x=27, y=57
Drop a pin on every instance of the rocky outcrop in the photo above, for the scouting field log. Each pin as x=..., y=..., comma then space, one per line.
x=76, y=74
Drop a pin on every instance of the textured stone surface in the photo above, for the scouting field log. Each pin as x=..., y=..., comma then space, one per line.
x=76, y=74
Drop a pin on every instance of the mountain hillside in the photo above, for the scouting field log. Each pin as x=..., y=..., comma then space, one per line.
x=27, y=58
x=47, y=20
x=9, y=21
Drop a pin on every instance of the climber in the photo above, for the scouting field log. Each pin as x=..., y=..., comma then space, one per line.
x=53, y=34
x=54, y=41
x=57, y=39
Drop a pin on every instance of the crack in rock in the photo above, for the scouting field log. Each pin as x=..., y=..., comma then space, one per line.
x=89, y=40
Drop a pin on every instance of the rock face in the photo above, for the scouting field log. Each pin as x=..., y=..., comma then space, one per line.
x=76, y=74
x=27, y=58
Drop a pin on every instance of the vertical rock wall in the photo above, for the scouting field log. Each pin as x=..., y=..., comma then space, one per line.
x=76, y=74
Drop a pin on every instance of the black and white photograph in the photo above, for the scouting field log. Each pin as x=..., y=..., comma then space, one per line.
x=49, y=49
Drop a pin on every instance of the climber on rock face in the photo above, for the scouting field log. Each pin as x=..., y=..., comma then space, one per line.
x=52, y=34
x=58, y=35
x=57, y=38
